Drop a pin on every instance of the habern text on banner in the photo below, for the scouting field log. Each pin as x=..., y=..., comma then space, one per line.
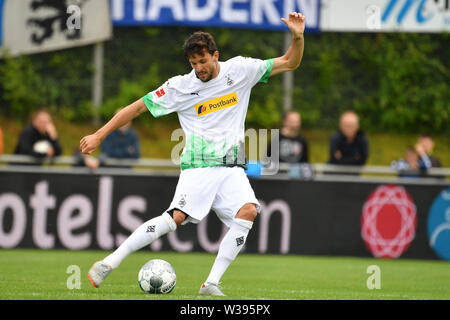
x=260, y=14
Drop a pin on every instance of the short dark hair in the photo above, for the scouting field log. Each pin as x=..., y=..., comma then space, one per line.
x=410, y=149
x=198, y=42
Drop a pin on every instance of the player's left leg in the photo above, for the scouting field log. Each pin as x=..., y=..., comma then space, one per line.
x=230, y=247
x=236, y=205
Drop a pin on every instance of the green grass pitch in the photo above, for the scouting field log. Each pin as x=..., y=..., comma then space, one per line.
x=41, y=274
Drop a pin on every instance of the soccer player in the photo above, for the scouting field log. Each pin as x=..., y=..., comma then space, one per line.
x=211, y=102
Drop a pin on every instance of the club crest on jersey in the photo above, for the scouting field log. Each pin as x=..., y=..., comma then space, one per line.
x=216, y=104
x=229, y=81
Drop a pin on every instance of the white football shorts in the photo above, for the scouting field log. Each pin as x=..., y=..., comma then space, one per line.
x=222, y=189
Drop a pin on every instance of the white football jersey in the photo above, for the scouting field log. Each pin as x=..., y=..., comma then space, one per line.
x=212, y=114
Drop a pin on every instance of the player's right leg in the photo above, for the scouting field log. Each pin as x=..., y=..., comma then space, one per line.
x=141, y=237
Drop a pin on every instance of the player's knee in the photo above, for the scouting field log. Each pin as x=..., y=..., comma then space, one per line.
x=248, y=212
x=178, y=216
x=169, y=220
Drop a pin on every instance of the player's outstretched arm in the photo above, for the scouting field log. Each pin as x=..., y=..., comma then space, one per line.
x=293, y=56
x=91, y=142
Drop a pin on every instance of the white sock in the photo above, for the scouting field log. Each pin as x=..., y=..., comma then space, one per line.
x=229, y=248
x=141, y=237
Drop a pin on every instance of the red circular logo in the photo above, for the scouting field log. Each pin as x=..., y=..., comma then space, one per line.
x=389, y=221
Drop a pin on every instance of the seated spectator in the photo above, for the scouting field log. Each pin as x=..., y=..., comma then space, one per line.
x=122, y=143
x=1, y=142
x=40, y=138
x=409, y=165
x=424, y=148
x=349, y=146
x=293, y=147
x=84, y=160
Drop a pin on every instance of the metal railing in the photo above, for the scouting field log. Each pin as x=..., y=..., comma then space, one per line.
x=70, y=161
x=319, y=170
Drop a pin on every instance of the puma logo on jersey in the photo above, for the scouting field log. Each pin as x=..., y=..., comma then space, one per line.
x=216, y=104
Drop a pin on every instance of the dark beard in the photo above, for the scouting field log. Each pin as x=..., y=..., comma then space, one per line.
x=209, y=78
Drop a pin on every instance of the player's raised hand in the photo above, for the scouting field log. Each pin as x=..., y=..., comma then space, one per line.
x=295, y=23
x=89, y=143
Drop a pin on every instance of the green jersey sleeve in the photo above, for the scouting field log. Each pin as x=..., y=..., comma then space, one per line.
x=257, y=70
x=162, y=101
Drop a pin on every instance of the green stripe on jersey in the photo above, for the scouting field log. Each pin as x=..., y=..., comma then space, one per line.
x=268, y=66
x=156, y=109
x=200, y=153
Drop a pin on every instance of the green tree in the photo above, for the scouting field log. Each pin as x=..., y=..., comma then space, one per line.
x=20, y=86
x=395, y=81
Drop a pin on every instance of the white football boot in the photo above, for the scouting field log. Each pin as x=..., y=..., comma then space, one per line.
x=211, y=289
x=98, y=272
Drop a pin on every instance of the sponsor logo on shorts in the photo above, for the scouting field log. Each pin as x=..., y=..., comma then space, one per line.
x=216, y=104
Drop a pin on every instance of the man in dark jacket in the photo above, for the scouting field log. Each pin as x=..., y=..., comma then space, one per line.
x=424, y=148
x=349, y=146
x=122, y=143
x=293, y=147
x=40, y=138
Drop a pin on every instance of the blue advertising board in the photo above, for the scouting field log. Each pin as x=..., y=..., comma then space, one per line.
x=249, y=14
x=1, y=22
x=439, y=225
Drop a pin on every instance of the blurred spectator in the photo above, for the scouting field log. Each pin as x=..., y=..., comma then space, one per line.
x=40, y=138
x=122, y=143
x=349, y=146
x=414, y=164
x=409, y=162
x=424, y=147
x=83, y=160
x=1, y=141
x=293, y=147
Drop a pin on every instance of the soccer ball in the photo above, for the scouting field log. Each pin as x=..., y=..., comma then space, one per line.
x=157, y=276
